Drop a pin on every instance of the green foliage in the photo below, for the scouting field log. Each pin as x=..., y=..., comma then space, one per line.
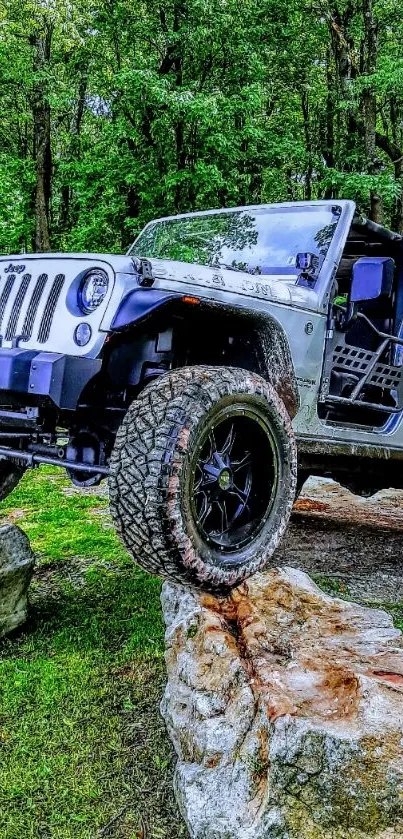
x=158, y=108
x=81, y=738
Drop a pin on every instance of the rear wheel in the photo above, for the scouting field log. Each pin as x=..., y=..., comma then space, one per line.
x=10, y=475
x=203, y=476
x=302, y=478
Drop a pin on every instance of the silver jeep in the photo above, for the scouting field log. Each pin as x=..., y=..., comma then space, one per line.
x=192, y=369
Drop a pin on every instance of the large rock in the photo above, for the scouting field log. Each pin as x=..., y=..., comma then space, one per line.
x=16, y=568
x=285, y=708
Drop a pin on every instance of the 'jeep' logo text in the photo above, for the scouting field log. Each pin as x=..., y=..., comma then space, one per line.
x=14, y=269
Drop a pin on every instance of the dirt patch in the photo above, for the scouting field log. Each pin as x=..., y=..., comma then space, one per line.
x=309, y=505
x=355, y=541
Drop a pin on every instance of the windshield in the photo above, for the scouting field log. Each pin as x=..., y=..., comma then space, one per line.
x=262, y=241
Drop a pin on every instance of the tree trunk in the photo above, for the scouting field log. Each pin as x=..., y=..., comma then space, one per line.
x=396, y=122
x=397, y=216
x=73, y=153
x=369, y=106
x=395, y=154
x=41, y=43
x=179, y=16
x=343, y=52
x=330, y=107
x=308, y=144
x=376, y=212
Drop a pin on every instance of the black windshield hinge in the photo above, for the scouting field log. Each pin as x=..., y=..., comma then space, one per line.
x=144, y=270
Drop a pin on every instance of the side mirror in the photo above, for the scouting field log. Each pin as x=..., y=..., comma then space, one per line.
x=372, y=278
x=307, y=262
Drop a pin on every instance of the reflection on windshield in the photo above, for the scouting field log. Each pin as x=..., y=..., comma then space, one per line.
x=262, y=241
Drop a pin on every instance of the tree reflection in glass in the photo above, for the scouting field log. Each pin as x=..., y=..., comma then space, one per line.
x=265, y=240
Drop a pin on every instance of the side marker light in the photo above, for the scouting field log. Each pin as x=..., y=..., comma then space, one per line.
x=192, y=300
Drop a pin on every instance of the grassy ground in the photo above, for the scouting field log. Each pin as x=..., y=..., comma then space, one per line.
x=83, y=751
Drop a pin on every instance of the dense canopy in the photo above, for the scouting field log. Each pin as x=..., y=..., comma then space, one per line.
x=114, y=112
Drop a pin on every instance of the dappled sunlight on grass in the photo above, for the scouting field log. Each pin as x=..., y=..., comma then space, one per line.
x=61, y=524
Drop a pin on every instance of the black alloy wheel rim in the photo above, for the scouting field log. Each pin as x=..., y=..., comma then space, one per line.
x=235, y=476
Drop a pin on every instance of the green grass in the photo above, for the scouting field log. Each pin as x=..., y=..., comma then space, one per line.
x=332, y=586
x=83, y=752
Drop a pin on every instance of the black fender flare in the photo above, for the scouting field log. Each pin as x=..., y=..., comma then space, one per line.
x=140, y=303
x=273, y=351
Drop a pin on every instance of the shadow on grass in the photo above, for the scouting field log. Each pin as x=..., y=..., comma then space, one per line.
x=81, y=608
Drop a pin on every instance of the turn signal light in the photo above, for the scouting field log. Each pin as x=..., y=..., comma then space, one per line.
x=192, y=300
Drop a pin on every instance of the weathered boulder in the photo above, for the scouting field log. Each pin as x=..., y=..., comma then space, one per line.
x=16, y=568
x=285, y=708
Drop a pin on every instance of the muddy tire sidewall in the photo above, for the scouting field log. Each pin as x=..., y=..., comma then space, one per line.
x=10, y=476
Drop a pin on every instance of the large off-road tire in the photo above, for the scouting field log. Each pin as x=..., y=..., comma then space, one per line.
x=10, y=475
x=203, y=476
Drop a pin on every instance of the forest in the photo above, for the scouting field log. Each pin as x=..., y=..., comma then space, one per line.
x=113, y=112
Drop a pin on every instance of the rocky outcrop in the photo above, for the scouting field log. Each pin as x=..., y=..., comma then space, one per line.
x=16, y=568
x=285, y=708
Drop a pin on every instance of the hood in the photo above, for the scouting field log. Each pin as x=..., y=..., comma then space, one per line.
x=218, y=283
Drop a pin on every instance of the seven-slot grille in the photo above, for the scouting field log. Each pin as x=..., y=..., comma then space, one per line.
x=27, y=306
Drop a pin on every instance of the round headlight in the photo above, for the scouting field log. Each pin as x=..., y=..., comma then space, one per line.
x=93, y=290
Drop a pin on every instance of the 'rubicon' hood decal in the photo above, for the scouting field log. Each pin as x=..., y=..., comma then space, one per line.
x=279, y=288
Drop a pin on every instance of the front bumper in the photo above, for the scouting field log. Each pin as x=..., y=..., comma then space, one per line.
x=60, y=378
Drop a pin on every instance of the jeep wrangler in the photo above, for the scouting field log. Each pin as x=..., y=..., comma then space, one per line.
x=189, y=371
